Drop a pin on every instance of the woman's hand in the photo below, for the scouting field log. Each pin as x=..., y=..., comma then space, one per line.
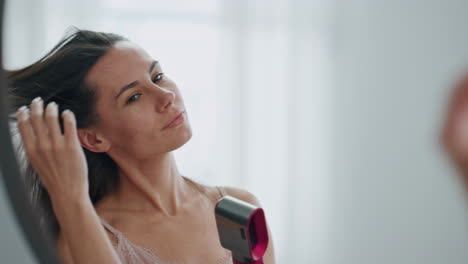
x=57, y=158
x=61, y=164
x=455, y=130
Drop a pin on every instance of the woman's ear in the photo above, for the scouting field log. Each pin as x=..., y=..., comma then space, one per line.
x=91, y=141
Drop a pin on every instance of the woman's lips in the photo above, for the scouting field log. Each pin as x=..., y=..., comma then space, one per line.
x=177, y=121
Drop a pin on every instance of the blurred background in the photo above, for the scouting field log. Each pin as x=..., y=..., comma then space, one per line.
x=327, y=110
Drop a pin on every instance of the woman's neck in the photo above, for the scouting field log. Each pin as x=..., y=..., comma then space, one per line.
x=150, y=185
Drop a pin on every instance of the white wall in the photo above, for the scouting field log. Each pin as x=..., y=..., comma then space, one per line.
x=394, y=198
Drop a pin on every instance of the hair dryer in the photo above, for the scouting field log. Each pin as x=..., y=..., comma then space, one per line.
x=242, y=229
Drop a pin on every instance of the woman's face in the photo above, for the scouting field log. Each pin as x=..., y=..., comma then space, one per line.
x=136, y=104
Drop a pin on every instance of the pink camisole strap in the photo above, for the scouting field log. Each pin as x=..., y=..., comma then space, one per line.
x=222, y=191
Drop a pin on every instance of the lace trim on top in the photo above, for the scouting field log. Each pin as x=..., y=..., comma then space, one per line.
x=130, y=253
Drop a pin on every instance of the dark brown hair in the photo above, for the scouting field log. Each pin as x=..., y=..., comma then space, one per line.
x=59, y=77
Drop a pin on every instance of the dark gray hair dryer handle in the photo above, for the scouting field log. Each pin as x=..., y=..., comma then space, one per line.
x=242, y=229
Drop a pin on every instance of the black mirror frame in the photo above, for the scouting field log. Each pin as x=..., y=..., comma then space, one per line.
x=37, y=240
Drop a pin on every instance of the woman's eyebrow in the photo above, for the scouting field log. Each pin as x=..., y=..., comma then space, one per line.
x=135, y=83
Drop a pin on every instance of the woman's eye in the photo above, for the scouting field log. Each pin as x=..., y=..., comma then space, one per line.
x=158, y=77
x=133, y=98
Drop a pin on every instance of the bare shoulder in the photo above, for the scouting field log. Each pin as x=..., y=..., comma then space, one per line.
x=242, y=194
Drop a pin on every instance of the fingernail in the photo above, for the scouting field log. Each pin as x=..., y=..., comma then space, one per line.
x=37, y=99
x=23, y=115
x=53, y=107
x=66, y=111
x=21, y=109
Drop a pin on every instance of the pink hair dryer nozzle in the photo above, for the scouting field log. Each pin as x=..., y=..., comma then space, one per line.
x=242, y=229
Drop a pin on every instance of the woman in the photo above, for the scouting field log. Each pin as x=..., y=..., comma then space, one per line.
x=99, y=133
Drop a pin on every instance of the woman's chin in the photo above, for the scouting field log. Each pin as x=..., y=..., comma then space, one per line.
x=182, y=138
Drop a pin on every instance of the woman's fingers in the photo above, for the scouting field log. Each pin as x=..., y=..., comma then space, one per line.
x=51, y=118
x=25, y=129
x=38, y=124
x=40, y=130
x=69, y=125
x=458, y=101
x=455, y=129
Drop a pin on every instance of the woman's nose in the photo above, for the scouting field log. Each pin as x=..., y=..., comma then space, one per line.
x=165, y=99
